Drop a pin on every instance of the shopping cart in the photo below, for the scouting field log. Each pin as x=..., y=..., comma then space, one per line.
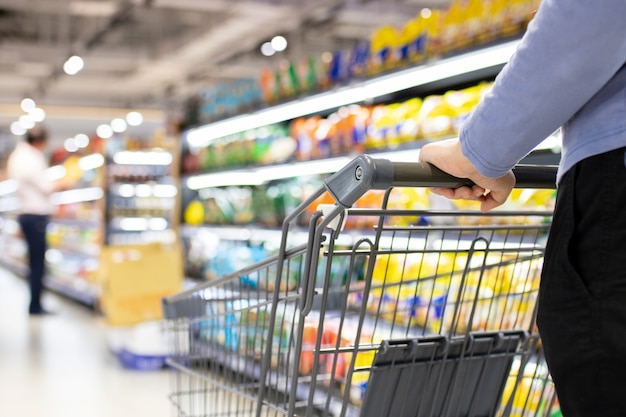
x=421, y=317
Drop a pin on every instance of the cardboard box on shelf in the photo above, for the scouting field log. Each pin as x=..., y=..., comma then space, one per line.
x=135, y=278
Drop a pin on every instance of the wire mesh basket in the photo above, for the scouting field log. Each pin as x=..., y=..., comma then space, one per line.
x=418, y=318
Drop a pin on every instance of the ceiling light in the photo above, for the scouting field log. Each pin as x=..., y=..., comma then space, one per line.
x=279, y=43
x=134, y=118
x=26, y=122
x=27, y=104
x=118, y=125
x=81, y=140
x=70, y=145
x=73, y=65
x=17, y=129
x=104, y=131
x=38, y=114
x=267, y=49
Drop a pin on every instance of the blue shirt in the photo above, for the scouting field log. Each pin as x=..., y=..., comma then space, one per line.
x=568, y=71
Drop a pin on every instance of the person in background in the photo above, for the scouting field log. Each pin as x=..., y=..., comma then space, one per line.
x=27, y=165
x=568, y=71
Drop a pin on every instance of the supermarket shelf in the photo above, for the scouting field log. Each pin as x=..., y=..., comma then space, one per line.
x=83, y=224
x=548, y=151
x=437, y=70
x=263, y=174
x=88, y=250
x=89, y=297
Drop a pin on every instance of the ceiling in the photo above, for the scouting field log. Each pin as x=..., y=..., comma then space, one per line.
x=151, y=55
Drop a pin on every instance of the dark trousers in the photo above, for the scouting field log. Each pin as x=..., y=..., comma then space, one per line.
x=34, y=231
x=582, y=299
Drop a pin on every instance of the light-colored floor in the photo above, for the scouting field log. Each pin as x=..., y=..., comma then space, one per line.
x=62, y=366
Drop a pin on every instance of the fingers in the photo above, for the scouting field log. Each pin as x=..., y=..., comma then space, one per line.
x=463, y=193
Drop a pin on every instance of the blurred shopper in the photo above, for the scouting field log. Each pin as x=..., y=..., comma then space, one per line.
x=27, y=165
x=569, y=71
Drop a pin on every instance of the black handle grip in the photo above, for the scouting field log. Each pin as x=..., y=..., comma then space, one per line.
x=420, y=174
x=365, y=173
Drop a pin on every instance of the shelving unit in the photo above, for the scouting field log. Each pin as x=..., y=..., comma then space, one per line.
x=75, y=230
x=142, y=197
x=203, y=231
x=122, y=198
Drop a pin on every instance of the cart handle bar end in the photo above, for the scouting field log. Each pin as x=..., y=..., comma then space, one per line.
x=365, y=173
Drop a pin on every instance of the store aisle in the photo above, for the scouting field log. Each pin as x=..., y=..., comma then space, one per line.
x=60, y=365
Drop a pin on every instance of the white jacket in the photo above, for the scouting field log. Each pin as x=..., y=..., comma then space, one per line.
x=27, y=165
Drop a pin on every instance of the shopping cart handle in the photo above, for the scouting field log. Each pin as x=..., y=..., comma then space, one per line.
x=365, y=173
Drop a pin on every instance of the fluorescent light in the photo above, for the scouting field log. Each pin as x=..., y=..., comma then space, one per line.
x=27, y=104
x=81, y=140
x=77, y=196
x=26, y=121
x=142, y=158
x=8, y=187
x=17, y=129
x=104, y=131
x=55, y=173
x=324, y=166
x=267, y=49
x=164, y=190
x=37, y=114
x=143, y=190
x=134, y=118
x=261, y=175
x=126, y=190
x=133, y=224
x=119, y=125
x=70, y=145
x=9, y=204
x=90, y=162
x=423, y=74
x=224, y=179
x=279, y=43
x=446, y=68
x=157, y=223
x=73, y=65
x=140, y=224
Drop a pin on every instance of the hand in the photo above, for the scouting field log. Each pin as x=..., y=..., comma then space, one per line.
x=447, y=156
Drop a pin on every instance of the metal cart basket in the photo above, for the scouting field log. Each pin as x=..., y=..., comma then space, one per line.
x=422, y=316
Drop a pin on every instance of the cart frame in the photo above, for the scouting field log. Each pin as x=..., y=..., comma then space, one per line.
x=506, y=348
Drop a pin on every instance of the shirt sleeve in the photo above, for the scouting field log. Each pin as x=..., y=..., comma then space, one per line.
x=570, y=50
